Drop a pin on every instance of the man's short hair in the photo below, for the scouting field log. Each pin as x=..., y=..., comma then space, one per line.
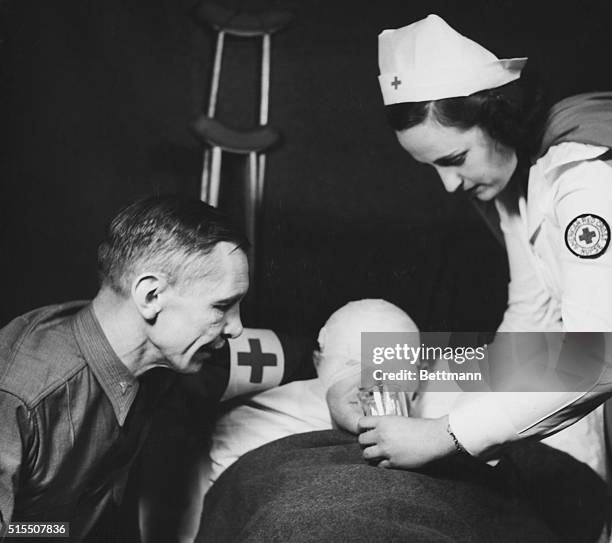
x=167, y=234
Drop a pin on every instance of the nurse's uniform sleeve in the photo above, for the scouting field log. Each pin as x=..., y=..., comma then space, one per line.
x=484, y=422
x=583, y=204
x=528, y=300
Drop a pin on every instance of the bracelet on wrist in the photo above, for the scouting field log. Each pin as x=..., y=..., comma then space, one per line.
x=460, y=448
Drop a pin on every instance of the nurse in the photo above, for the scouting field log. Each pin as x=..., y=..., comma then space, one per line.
x=458, y=108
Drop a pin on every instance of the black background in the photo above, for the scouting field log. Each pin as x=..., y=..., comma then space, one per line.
x=97, y=97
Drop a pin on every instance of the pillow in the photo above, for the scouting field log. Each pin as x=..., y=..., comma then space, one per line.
x=289, y=409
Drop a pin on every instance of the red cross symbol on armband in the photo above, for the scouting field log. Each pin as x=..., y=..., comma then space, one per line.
x=257, y=360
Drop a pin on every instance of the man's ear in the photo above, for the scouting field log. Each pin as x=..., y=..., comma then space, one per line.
x=147, y=289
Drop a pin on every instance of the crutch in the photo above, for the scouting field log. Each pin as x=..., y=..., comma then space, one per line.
x=219, y=137
x=245, y=142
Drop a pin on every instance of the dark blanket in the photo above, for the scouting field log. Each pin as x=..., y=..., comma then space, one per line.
x=315, y=487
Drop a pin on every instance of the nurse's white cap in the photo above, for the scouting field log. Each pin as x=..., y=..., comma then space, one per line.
x=429, y=60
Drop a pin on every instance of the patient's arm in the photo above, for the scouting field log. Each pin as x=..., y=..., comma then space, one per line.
x=343, y=403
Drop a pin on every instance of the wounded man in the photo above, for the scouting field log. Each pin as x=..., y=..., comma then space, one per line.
x=316, y=486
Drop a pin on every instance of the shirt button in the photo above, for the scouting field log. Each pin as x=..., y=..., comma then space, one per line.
x=124, y=386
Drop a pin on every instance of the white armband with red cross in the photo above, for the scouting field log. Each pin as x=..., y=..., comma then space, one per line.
x=256, y=362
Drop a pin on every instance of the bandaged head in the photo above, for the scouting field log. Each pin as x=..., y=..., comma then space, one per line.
x=339, y=353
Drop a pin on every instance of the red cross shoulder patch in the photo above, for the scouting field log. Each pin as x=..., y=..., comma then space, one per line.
x=587, y=236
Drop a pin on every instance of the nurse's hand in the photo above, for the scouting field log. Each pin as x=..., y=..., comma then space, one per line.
x=404, y=442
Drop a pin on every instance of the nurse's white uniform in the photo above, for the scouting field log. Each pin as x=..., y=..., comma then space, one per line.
x=553, y=287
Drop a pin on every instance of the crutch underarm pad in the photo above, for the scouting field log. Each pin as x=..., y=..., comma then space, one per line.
x=216, y=134
x=242, y=23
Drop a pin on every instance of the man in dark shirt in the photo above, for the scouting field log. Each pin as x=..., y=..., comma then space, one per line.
x=75, y=398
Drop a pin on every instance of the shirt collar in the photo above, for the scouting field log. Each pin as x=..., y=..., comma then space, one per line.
x=118, y=383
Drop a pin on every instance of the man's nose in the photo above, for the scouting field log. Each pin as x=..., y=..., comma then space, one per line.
x=233, y=325
x=450, y=179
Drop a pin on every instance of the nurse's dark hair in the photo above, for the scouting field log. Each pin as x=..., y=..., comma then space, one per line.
x=511, y=114
x=165, y=234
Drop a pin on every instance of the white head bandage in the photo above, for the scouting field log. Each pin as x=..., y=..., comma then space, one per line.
x=428, y=60
x=340, y=339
